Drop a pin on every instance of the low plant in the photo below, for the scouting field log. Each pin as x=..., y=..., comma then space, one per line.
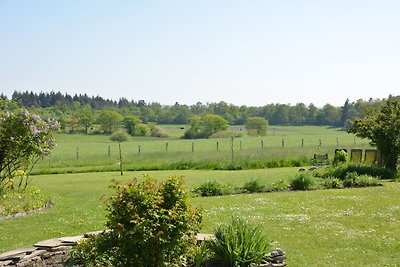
x=14, y=201
x=352, y=179
x=374, y=170
x=332, y=182
x=302, y=181
x=254, y=186
x=213, y=188
x=201, y=255
x=341, y=156
x=239, y=244
x=151, y=224
x=278, y=186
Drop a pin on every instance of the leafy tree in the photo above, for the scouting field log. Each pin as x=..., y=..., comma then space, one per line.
x=257, y=125
x=24, y=137
x=109, y=119
x=71, y=123
x=211, y=124
x=205, y=126
x=86, y=117
x=382, y=127
x=131, y=124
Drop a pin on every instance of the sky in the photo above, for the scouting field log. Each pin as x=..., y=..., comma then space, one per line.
x=251, y=53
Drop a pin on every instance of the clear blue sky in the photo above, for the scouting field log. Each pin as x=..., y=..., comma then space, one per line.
x=241, y=52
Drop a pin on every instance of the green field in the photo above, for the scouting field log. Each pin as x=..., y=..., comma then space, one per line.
x=346, y=227
x=85, y=153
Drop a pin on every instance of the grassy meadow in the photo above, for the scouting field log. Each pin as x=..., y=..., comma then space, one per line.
x=85, y=153
x=338, y=227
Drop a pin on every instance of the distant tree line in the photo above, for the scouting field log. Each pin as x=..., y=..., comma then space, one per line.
x=83, y=110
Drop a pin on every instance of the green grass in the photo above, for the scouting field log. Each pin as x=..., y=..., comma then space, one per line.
x=85, y=153
x=338, y=227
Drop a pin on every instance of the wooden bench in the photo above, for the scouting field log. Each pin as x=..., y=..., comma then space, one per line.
x=320, y=159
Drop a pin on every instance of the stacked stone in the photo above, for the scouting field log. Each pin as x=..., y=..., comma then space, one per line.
x=56, y=248
x=274, y=259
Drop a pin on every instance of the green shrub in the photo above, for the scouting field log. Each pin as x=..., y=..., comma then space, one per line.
x=278, y=186
x=254, y=186
x=332, y=182
x=341, y=156
x=151, y=224
x=201, y=255
x=158, y=132
x=119, y=136
x=213, y=188
x=239, y=244
x=352, y=179
x=341, y=171
x=302, y=181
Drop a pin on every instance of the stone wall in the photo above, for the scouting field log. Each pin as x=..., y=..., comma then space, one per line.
x=54, y=253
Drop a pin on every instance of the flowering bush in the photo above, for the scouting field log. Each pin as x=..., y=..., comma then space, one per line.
x=24, y=137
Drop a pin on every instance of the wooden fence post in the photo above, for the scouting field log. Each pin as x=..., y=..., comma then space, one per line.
x=192, y=147
x=139, y=150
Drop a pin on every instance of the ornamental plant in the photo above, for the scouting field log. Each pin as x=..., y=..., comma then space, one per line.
x=150, y=224
x=24, y=138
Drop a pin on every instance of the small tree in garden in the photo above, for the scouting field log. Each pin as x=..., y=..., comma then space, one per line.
x=24, y=138
x=119, y=137
x=151, y=224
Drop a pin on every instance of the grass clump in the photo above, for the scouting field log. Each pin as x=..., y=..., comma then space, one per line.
x=303, y=181
x=239, y=244
x=213, y=188
x=254, y=186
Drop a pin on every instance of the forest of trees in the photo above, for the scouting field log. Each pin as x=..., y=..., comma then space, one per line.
x=82, y=110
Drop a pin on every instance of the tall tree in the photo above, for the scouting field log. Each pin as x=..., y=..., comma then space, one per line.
x=109, y=119
x=257, y=126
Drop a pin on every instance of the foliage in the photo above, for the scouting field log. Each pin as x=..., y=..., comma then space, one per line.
x=279, y=185
x=302, y=181
x=332, y=182
x=109, y=119
x=158, y=132
x=382, y=128
x=213, y=188
x=239, y=244
x=24, y=138
x=205, y=126
x=151, y=224
x=257, y=124
x=86, y=117
x=254, y=186
x=341, y=156
x=14, y=201
x=131, y=124
x=201, y=255
x=341, y=171
x=352, y=179
x=119, y=136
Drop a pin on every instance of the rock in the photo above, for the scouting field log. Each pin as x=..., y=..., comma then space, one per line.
x=5, y=263
x=71, y=240
x=203, y=237
x=50, y=243
x=34, y=254
x=16, y=254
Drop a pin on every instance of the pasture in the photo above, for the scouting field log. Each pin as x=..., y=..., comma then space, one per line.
x=85, y=153
x=342, y=227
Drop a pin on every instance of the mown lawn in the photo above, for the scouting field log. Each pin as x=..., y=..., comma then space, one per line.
x=346, y=227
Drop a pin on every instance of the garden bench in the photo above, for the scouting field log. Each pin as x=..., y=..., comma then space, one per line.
x=320, y=159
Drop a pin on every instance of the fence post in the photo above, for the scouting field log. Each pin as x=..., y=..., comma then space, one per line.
x=262, y=143
x=192, y=147
x=217, y=146
x=109, y=150
x=166, y=147
x=283, y=142
x=337, y=141
x=302, y=142
x=232, y=146
x=77, y=152
x=120, y=158
x=139, y=150
x=240, y=145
